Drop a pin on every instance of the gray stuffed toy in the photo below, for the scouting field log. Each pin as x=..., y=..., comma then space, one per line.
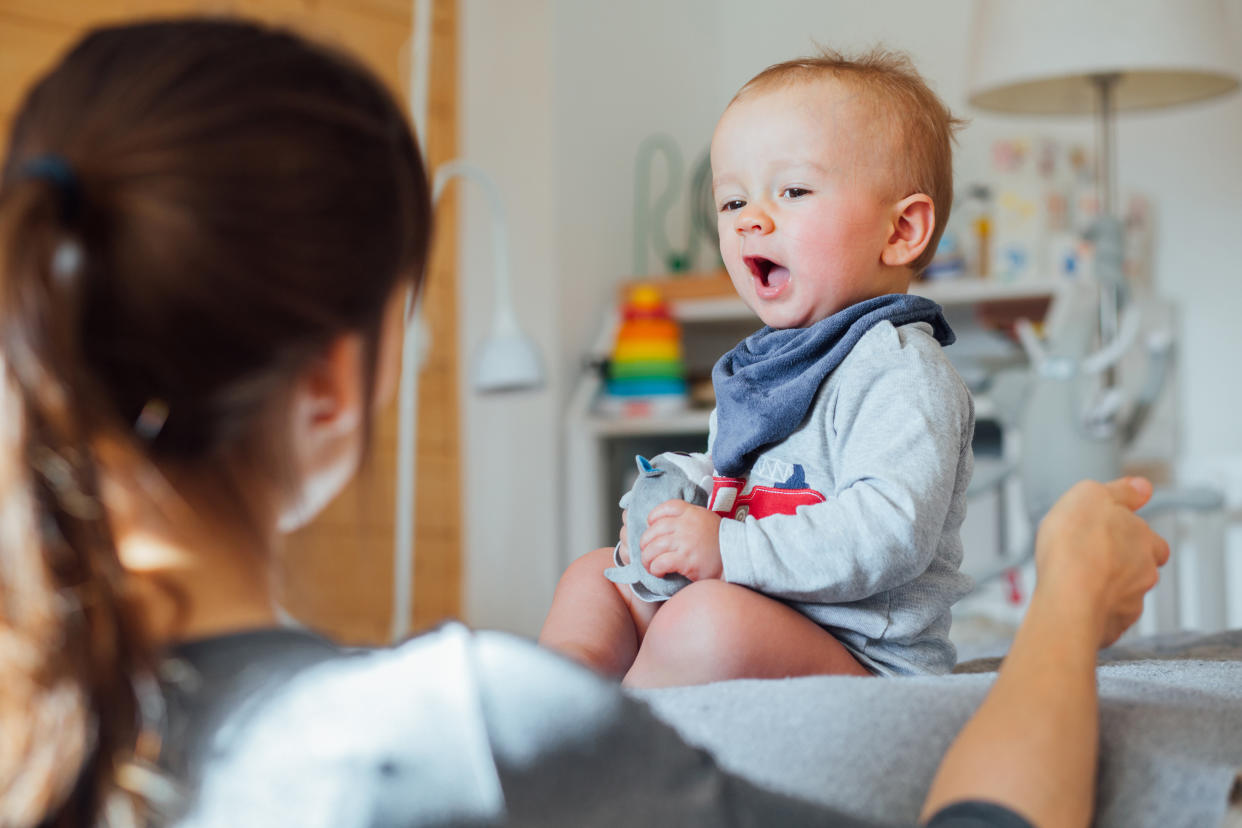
x=667, y=477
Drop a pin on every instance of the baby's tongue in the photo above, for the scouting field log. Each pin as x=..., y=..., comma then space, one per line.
x=778, y=277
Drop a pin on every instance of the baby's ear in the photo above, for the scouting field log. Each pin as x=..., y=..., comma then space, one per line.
x=914, y=221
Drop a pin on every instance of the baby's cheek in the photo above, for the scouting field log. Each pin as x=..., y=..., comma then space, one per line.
x=840, y=256
x=731, y=253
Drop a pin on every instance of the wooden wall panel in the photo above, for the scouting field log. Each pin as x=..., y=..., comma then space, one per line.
x=438, y=535
x=336, y=575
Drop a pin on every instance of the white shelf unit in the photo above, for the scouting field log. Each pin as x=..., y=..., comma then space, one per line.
x=589, y=514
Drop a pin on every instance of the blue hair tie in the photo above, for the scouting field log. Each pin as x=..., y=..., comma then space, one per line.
x=55, y=169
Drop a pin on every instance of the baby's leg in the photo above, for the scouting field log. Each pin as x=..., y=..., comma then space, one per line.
x=713, y=630
x=594, y=621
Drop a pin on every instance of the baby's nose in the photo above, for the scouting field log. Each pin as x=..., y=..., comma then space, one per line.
x=751, y=219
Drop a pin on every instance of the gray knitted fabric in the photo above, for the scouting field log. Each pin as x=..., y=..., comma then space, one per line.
x=661, y=479
x=1171, y=734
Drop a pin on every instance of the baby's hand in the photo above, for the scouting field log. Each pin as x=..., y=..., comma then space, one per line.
x=625, y=539
x=683, y=538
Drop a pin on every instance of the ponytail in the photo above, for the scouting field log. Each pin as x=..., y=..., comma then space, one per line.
x=70, y=652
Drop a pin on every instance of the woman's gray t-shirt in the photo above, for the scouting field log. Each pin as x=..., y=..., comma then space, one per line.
x=451, y=728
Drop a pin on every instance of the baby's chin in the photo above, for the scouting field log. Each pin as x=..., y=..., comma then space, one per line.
x=778, y=315
x=784, y=312
x=783, y=318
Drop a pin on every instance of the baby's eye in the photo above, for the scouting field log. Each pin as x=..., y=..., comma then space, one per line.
x=731, y=205
x=795, y=192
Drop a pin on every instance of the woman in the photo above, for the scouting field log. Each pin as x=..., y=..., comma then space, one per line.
x=207, y=229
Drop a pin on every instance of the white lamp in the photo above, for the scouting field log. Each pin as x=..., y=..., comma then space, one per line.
x=1069, y=57
x=1076, y=57
x=1049, y=57
x=508, y=360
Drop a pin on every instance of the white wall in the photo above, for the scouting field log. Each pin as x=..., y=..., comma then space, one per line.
x=511, y=442
x=623, y=71
x=557, y=95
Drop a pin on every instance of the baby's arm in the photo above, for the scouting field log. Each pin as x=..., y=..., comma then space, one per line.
x=901, y=427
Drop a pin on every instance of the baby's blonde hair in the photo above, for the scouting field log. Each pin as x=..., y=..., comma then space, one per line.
x=921, y=125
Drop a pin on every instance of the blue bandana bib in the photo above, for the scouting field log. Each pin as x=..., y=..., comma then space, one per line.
x=765, y=385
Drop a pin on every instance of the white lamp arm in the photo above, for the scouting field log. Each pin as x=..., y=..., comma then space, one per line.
x=500, y=244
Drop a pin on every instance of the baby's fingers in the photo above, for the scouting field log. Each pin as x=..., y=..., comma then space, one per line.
x=655, y=530
x=652, y=550
x=667, y=509
x=663, y=564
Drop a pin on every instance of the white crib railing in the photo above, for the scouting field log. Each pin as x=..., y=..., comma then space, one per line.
x=1201, y=587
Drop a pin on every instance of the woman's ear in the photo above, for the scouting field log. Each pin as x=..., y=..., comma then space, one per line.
x=328, y=394
x=326, y=413
x=914, y=221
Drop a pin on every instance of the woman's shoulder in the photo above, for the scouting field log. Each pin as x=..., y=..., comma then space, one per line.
x=283, y=727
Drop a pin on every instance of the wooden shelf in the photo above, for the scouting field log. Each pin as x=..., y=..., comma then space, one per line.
x=720, y=308
x=682, y=287
x=704, y=297
x=972, y=291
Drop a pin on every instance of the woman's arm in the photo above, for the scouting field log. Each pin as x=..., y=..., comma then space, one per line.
x=1033, y=743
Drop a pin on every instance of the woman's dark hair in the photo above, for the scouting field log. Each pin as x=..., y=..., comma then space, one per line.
x=191, y=211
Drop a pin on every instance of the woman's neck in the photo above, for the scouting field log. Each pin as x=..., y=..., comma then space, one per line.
x=196, y=567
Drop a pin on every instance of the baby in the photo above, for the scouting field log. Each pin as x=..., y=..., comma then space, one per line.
x=840, y=448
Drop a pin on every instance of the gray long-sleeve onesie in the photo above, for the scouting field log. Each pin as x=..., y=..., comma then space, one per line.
x=887, y=447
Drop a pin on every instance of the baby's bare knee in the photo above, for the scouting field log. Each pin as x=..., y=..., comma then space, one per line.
x=699, y=623
x=588, y=568
x=588, y=620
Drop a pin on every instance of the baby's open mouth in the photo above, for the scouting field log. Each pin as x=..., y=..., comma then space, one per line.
x=769, y=273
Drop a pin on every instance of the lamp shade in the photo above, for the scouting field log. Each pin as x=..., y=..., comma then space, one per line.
x=1041, y=57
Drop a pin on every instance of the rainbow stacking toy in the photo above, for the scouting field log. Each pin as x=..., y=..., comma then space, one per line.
x=646, y=371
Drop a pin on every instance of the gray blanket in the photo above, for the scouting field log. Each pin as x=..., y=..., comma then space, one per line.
x=1171, y=733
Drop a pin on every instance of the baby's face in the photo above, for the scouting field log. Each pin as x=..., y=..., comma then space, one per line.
x=803, y=200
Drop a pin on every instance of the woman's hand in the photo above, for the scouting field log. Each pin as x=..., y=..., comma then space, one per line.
x=1095, y=556
x=1033, y=745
